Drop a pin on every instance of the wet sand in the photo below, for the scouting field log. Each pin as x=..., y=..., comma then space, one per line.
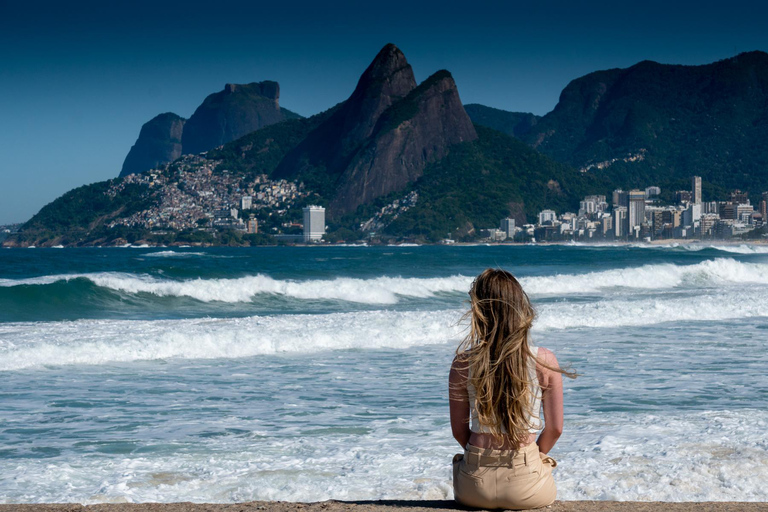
x=386, y=506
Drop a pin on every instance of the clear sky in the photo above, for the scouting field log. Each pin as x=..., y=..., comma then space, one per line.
x=79, y=78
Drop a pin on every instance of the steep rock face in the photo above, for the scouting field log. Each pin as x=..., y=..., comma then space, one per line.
x=383, y=136
x=411, y=134
x=229, y=114
x=159, y=142
x=660, y=122
x=388, y=79
x=516, y=124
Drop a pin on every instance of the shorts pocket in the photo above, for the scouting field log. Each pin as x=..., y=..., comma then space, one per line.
x=472, y=472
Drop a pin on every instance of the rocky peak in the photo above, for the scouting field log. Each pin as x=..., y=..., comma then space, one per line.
x=159, y=142
x=411, y=134
x=231, y=113
x=387, y=79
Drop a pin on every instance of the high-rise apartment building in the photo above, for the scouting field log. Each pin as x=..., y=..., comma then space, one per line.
x=636, y=210
x=314, y=223
x=764, y=207
x=620, y=221
x=619, y=198
x=508, y=227
x=696, y=190
x=246, y=202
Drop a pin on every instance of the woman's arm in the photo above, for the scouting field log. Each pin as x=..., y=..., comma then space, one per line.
x=459, y=401
x=552, y=400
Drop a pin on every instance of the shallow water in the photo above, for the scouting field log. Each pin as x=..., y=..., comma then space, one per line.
x=314, y=373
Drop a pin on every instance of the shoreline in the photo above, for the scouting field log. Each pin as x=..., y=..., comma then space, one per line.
x=652, y=243
x=385, y=506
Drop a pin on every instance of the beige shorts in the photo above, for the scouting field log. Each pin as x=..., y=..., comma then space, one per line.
x=509, y=479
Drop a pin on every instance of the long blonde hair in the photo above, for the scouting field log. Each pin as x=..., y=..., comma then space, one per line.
x=496, y=352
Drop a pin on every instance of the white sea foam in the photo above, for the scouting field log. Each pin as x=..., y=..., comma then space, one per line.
x=380, y=290
x=707, y=456
x=717, y=272
x=723, y=273
x=731, y=305
x=172, y=254
x=104, y=341
x=742, y=249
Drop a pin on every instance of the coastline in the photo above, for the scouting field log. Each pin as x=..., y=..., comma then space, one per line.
x=384, y=506
x=142, y=244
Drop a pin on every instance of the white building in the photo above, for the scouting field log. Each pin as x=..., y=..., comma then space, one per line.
x=246, y=202
x=692, y=215
x=652, y=191
x=314, y=223
x=547, y=216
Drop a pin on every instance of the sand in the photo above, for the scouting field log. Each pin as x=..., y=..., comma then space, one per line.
x=386, y=506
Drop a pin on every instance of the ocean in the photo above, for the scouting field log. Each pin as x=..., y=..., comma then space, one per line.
x=314, y=373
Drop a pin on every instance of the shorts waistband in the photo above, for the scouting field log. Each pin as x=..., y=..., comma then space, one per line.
x=476, y=456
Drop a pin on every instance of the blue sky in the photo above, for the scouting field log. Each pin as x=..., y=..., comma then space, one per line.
x=79, y=78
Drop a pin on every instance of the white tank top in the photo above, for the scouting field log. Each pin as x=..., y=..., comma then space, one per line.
x=534, y=417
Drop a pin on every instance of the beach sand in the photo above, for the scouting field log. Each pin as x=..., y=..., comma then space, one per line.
x=386, y=506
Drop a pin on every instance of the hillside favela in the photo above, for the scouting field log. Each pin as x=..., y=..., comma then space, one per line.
x=407, y=163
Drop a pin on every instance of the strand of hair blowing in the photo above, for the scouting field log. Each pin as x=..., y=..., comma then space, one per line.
x=496, y=351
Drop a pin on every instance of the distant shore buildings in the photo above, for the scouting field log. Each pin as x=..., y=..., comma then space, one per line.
x=640, y=215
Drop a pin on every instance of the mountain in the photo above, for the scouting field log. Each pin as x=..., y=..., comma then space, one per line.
x=222, y=117
x=159, y=142
x=229, y=114
x=659, y=123
x=382, y=137
x=516, y=124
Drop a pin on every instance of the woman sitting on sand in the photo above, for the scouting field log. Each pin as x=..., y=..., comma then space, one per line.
x=498, y=385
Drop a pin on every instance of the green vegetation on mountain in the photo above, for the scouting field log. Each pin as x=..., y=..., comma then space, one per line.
x=483, y=181
x=673, y=121
x=82, y=213
x=261, y=151
x=516, y=124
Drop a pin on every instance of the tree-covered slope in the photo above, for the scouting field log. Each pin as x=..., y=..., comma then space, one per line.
x=81, y=214
x=657, y=123
x=516, y=124
x=261, y=151
x=480, y=182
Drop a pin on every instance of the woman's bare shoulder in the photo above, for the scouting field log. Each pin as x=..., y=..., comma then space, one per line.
x=546, y=363
x=546, y=356
x=460, y=362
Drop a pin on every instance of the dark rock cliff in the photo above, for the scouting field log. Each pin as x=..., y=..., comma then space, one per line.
x=159, y=142
x=388, y=79
x=383, y=136
x=411, y=134
x=229, y=114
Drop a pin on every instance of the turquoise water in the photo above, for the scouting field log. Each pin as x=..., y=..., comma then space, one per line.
x=154, y=374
